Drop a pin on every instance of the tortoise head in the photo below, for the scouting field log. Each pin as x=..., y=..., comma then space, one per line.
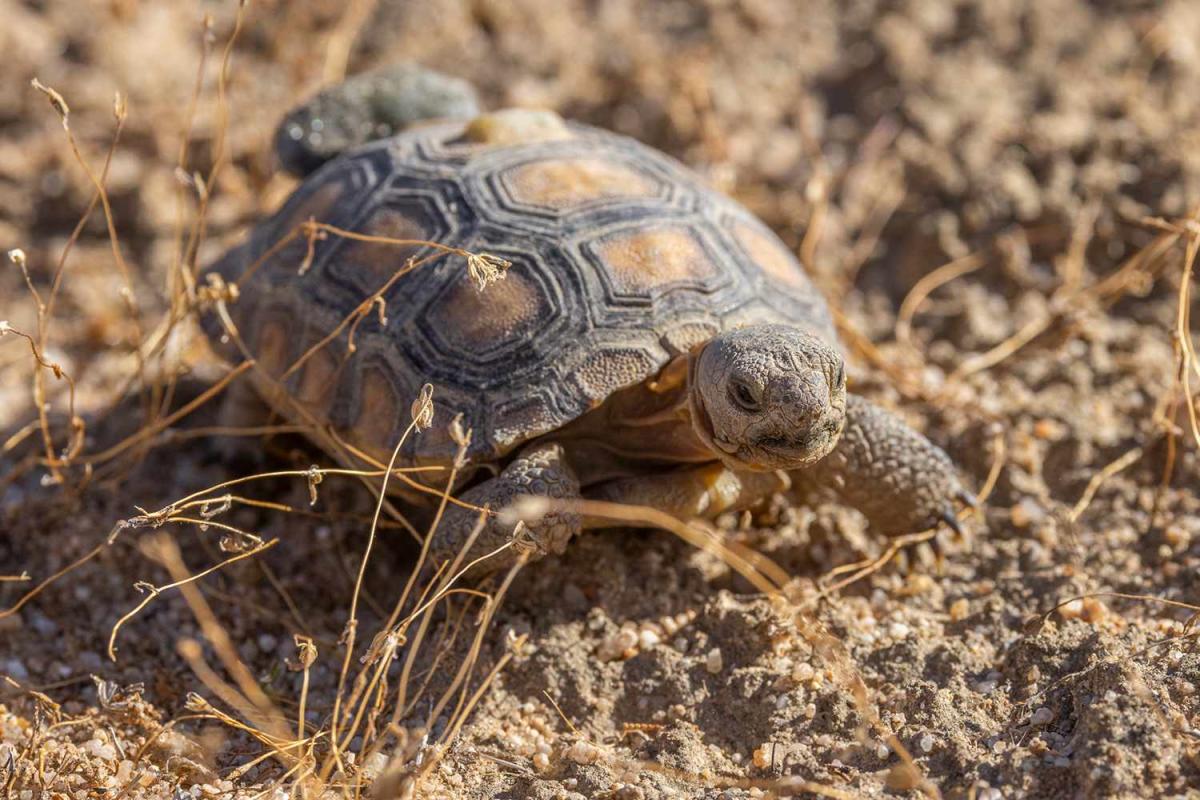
x=768, y=397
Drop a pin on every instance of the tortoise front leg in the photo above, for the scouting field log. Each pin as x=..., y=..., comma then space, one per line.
x=898, y=479
x=539, y=470
x=689, y=493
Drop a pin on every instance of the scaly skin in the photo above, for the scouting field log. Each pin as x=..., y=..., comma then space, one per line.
x=898, y=479
x=541, y=471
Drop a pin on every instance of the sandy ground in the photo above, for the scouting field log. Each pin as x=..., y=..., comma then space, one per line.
x=1047, y=149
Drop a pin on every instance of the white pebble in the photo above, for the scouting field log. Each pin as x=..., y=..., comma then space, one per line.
x=620, y=645
x=583, y=753
x=714, y=662
x=374, y=764
x=647, y=639
x=926, y=743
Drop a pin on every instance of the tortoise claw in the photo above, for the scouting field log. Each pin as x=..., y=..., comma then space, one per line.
x=950, y=518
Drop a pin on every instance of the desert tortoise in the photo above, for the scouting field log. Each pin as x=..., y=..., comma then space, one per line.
x=651, y=342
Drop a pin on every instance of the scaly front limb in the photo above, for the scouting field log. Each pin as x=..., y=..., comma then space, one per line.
x=898, y=479
x=540, y=470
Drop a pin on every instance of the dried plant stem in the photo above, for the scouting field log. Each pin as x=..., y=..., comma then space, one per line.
x=1100, y=477
x=1183, y=333
x=352, y=621
x=153, y=592
x=341, y=41
x=181, y=282
x=127, y=290
x=79, y=562
x=220, y=153
x=926, y=286
x=311, y=228
x=272, y=719
x=149, y=431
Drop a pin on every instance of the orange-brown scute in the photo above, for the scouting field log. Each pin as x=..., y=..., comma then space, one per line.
x=273, y=349
x=378, y=411
x=508, y=310
x=769, y=253
x=318, y=382
x=381, y=260
x=563, y=184
x=642, y=261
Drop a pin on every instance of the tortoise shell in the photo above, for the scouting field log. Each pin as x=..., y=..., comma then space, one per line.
x=621, y=260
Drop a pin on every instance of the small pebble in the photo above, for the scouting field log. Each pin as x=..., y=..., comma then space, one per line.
x=1041, y=716
x=621, y=645
x=959, y=609
x=1177, y=537
x=1025, y=513
x=714, y=662
x=583, y=753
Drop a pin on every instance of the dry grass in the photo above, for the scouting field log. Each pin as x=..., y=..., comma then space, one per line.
x=365, y=706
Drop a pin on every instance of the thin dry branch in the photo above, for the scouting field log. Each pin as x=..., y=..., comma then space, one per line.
x=152, y=592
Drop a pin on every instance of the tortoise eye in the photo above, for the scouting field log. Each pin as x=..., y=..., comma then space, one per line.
x=744, y=397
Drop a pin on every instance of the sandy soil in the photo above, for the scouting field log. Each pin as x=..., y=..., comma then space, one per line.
x=1046, y=148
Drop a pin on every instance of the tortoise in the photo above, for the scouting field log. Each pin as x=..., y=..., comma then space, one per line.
x=650, y=340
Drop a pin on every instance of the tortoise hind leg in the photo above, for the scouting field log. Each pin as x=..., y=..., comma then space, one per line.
x=374, y=105
x=539, y=470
